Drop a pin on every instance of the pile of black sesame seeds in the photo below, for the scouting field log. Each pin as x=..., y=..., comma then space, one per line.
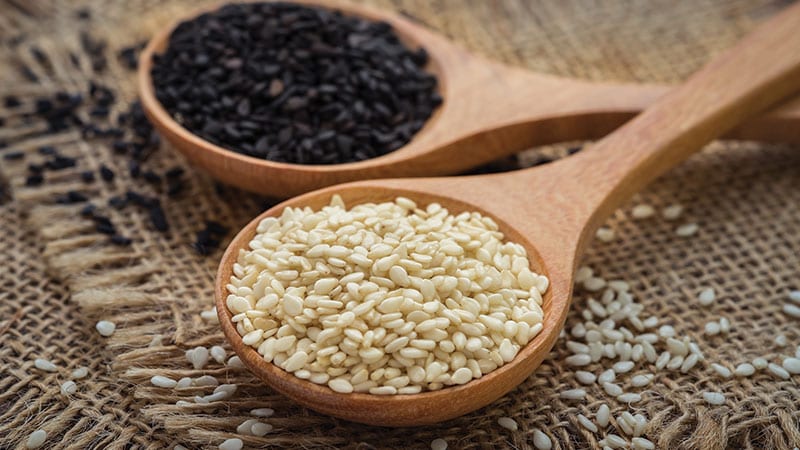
x=295, y=84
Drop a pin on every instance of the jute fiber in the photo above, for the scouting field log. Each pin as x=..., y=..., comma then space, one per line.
x=59, y=276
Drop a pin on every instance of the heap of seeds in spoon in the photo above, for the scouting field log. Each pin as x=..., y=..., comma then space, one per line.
x=296, y=84
x=385, y=298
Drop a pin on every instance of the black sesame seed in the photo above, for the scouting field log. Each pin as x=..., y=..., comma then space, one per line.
x=11, y=156
x=72, y=197
x=573, y=150
x=105, y=228
x=151, y=177
x=87, y=176
x=35, y=168
x=117, y=202
x=294, y=83
x=47, y=150
x=117, y=239
x=106, y=173
x=88, y=210
x=35, y=179
x=157, y=218
x=60, y=163
x=175, y=172
x=11, y=101
x=134, y=168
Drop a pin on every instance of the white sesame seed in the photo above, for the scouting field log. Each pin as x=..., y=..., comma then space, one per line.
x=105, y=328
x=612, y=389
x=235, y=362
x=585, y=377
x=594, y=284
x=623, y=366
x=689, y=362
x=508, y=423
x=198, y=357
x=760, y=363
x=45, y=365
x=438, y=444
x=744, y=370
x=262, y=412
x=244, y=427
x=721, y=370
x=227, y=389
x=578, y=331
x=797, y=352
x=791, y=310
x=607, y=376
x=629, y=398
x=583, y=273
x=340, y=385
x=677, y=347
x=642, y=211
x=80, y=372
x=707, y=296
x=210, y=315
x=183, y=383
x=778, y=371
x=162, y=381
x=605, y=234
x=578, y=360
x=615, y=441
x=541, y=441
x=36, y=439
x=642, y=380
x=675, y=363
x=794, y=296
x=205, y=380
x=69, y=388
x=781, y=340
x=724, y=325
x=666, y=331
x=586, y=423
x=260, y=429
x=640, y=443
x=231, y=444
x=714, y=398
x=711, y=329
x=792, y=365
x=218, y=354
x=602, y=415
x=179, y=447
x=573, y=394
x=672, y=212
x=687, y=230
x=663, y=359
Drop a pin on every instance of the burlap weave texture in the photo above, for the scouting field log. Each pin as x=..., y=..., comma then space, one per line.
x=745, y=197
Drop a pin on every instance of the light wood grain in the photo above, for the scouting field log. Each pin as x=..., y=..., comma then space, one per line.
x=490, y=110
x=552, y=210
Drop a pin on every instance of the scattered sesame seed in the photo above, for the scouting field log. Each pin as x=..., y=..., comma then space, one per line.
x=594, y=284
x=642, y=211
x=198, y=356
x=231, y=444
x=794, y=296
x=605, y=234
x=612, y=389
x=80, y=372
x=778, y=371
x=760, y=363
x=781, y=340
x=714, y=398
x=607, y=376
x=508, y=423
x=205, y=380
x=585, y=377
x=640, y=443
x=541, y=441
x=260, y=429
x=69, y=388
x=672, y=212
x=615, y=441
x=235, y=362
x=629, y=397
x=179, y=447
x=642, y=380
x=218, y=354
x=162, y=381
x=721, y=370
x=438, y=444
x=687, y=230
x=724, y=325
x=581, y=359
x=791, y=310
x=105, y=328
x=210, y=315
x=602, y=415
x=183, y=383
x=666, y=331
x=744, y=370
x=586, y=423
x=707, y=296
x=573, y=394
x=43, y=364
x=245, y=427
x=623, y=366
x=711, y=328
x=262, y=412
x=792, y=365
x=36, y=439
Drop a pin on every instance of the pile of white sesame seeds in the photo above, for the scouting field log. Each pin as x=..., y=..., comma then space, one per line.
x=385, y=298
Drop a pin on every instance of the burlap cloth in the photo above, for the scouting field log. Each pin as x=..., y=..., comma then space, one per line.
x=58, y=276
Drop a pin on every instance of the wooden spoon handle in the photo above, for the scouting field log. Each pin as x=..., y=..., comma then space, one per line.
x=760, y=70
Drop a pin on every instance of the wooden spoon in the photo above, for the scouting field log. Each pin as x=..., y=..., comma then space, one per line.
x=490, y=110
x=552, y=210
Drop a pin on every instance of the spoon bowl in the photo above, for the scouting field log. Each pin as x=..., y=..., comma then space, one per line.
x=489, y=111
x=395, y=410
x=551, y=210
